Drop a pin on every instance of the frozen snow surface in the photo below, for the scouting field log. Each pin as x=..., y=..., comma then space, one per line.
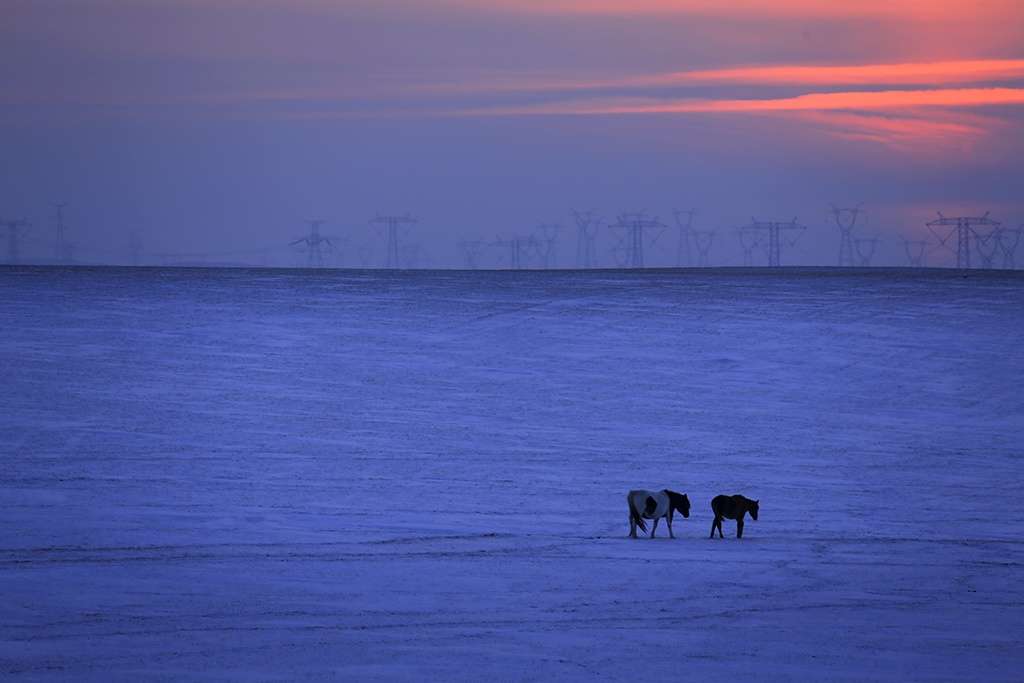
x=247, y=475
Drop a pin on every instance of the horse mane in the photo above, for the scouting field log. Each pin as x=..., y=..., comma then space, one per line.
x=676, y=499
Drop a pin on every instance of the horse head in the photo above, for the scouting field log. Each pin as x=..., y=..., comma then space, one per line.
x=753, y=509
x=680, y=502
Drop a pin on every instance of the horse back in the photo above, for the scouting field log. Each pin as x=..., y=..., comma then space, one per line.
x=649, y=504
x=640, y=500
x=729, y=506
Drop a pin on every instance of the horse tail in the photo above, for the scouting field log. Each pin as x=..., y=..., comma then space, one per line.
x=634, y=514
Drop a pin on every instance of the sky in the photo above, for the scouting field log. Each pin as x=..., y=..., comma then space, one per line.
x=218, y=130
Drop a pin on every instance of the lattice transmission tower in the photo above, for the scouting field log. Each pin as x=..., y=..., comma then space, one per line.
x=987, y=244
x=845, y=220
x=866, y=249
x=518, y=248
x=313, y=241
x=703, y=241
x=964, y=227
x=586, y=245
x=777, y=232
x=1008, y=241
x=61, y=249
x=14, y=231
x=748, y=242
x=683, y=255
x=915, y=251
x=635, y=231
x=394, y=226
x=134, y=248
x=547, y=252
x=470, y=253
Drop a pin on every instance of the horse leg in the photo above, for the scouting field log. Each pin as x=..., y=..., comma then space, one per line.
x=739, y=528
x=632, y=527
x=716, y=522
x=654, y=527
x=668, y=520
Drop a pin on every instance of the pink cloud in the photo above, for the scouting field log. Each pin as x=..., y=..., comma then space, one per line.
x=934, y=73
x=469, y=81
x=802, y=9
x=873, y=101
x=910, y=121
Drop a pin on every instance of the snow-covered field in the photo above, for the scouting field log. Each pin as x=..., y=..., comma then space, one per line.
x=341, y=475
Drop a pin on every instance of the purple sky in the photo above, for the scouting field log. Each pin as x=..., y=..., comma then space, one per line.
x=215, y=129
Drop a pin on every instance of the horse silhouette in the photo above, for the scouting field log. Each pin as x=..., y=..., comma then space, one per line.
x=733, y=507
x=655, y=505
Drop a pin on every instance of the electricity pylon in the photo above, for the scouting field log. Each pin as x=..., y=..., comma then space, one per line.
x=519, y=249
x=776, y=232
x=963, y=227
x=393, y=224
x=915, y=251
x=683, y=254
x=315, y=257
x=339, y=246
x=548, y=256
x=586, y=246
x=134, y=248
x=13, y=231
x=748, y=242
x=987, y=245
x=635, y=228
x=866, y=249
x=412, y=254
x=845, y=219
x=61, y=249
x=470, y=253
x=703, y=241
x=1008, y=244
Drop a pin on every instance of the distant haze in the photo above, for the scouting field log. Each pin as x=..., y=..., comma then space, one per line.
x=182, y=131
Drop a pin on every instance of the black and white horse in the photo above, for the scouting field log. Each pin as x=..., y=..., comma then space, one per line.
x=655, y=505
x=733, y=507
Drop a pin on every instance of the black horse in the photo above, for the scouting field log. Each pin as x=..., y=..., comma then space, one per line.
x=733, y=507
